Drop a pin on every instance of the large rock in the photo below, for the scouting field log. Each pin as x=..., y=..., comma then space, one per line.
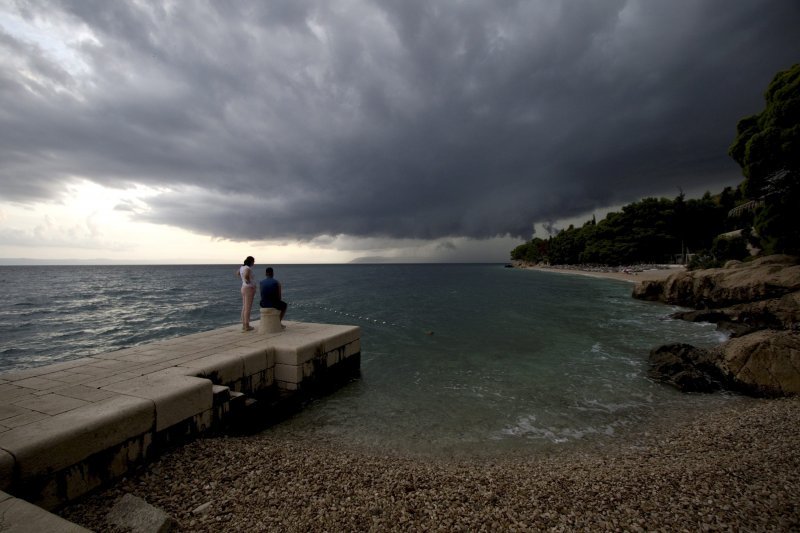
x=762, y=279
x=765, y=363
x=742, y=319
x=685, y=367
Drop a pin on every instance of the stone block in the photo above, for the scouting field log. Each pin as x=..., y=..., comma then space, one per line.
x=147, y=358
x=18, y=375
x=333, y=357
x=219, y=368
x=72, y=482
x=288, y=373
x=294, y=353
x=6, y=470
x=24, y=419
x=114, y=364
x=340, y=336
x=96, y=371
x=38, y=383
x=9, y=392
x=21, y=516
x=176, y=397
x=82, y=392
x=254, y=361
x=352, y=348
x=55, y=443
x=308, y=368
x=98, y=382
x=52, y=404
x=158, y=370
x=70, y=376
x=10, y=411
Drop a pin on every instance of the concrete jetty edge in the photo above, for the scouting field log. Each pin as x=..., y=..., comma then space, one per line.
x=70, y=427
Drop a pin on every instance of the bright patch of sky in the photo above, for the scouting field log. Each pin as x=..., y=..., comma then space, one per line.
x=57, y=40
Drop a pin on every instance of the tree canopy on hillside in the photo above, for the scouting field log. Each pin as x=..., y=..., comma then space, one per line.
x=652, y=230
x=767, y=147
x=655, y=230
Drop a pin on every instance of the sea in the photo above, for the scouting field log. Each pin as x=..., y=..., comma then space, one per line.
x=456, y=359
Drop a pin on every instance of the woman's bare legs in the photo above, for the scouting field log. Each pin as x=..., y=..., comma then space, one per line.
x=248, y=293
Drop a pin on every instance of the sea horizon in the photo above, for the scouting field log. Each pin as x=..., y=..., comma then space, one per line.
x=112, y=262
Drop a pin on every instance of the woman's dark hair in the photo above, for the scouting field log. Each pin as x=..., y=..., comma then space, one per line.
x=249, y=261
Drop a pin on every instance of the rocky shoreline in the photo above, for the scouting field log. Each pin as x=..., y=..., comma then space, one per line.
x=758, y=303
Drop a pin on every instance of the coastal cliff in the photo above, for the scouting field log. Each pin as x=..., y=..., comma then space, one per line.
x=758, y=302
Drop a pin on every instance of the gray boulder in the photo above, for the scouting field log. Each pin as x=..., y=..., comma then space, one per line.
x=136, y=515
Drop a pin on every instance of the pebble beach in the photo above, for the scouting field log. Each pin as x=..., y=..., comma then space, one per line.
x=735, y=467
x=633, y=274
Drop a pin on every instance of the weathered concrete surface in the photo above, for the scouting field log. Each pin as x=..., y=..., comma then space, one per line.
x=69, y=427
x=175, y=398
x=19, y=516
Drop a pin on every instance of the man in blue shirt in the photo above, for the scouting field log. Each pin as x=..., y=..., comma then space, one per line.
x=271, y=293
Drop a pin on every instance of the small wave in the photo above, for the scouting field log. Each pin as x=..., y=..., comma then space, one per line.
x=526, y=427
x=605, y=407
x=722, y=336
x=10, y=351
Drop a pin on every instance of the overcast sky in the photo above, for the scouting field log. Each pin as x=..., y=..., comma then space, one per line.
x=332, y=130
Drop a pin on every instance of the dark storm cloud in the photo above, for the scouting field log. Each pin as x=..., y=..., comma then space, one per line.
x=415, y=119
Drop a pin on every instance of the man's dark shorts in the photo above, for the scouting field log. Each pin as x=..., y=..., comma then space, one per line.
x=280, y=306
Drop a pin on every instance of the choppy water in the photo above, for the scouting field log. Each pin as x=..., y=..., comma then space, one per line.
x=455, y=358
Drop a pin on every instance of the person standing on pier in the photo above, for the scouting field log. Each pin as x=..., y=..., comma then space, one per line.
x=271, y=293
x=248, y=291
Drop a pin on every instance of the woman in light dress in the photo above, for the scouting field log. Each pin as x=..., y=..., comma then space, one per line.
x=245, y=272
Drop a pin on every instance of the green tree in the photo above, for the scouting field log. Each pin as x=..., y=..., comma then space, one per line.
x=534, y=251
x=767, y=147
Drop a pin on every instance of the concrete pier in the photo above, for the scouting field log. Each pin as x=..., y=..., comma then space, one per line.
x=69, y=427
